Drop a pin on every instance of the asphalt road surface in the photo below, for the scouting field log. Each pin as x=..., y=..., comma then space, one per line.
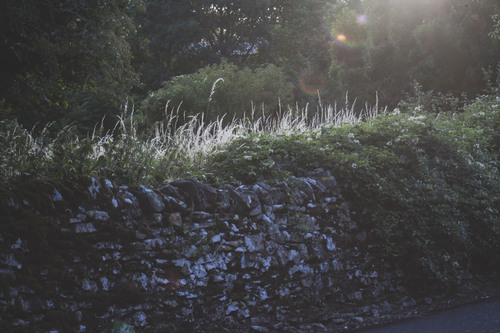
x=481, y=317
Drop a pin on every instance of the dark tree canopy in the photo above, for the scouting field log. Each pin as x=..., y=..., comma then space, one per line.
x=232, y=28
x=443, y=45
x=55, y=51
x=187, y=35
x=78, y=61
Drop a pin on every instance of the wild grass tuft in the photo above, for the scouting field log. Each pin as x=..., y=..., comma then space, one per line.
x=178, y=147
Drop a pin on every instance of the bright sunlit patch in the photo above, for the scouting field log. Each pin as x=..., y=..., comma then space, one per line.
x=341, y=38
x=362, y=19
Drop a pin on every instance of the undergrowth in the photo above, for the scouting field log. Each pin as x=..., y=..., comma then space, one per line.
x=426, y=185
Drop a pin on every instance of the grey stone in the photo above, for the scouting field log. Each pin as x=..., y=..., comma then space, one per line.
x=98, y=215
x=89, y=285
x=175, y=219
x=10, y=260
x=174, y=204
x=330, y=245
x=202, y=197
x=254, y=243
x=127, y=199
x=85, y=228
x=153, y=243
x=385, y=307
x=356, y=296
x=57, y=196
x=140, y=319
x=244, y=201
x=217, y=238
x=233, y=307
x=94, y=188
x=151, y=201
x=260, y=329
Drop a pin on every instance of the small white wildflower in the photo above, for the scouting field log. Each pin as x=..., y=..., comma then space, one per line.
x=269, y=163
x=389, y=143
x=354, y=166
x=350, y=135
x=416, y=118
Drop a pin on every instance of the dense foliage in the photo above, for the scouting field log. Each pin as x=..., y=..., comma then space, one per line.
x=65, y=61
x=384, y=45
x=426, y=186
x=79, y=61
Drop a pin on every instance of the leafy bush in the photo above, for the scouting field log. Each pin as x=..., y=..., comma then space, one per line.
x=426, y=186
x=218, y=90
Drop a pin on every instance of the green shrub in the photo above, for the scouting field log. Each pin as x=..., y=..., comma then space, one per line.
x=426, y=186
x=220, y=90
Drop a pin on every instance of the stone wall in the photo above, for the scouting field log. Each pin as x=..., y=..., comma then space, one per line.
x=94, y=257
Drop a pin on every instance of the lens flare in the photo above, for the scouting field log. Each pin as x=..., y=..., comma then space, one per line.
x=312, y=82
x=362, y=19
x=341, y=38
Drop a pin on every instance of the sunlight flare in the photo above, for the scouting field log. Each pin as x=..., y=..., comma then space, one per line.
x=362, y=19
x=341, y=38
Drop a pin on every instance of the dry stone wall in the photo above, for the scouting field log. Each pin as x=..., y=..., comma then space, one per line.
x=95, y=257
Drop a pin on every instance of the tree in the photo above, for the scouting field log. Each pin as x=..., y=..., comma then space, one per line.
x=169, y=30
x=348, y=71
x=301, y=42
x=185, y=36
x=454, y=47
x=443, y=45
x=60, y=55
x=233, y=29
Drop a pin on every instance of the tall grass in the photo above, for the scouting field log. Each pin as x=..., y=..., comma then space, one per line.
x=178, y=148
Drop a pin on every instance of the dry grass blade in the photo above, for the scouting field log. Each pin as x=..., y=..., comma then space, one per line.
x=173, y=151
